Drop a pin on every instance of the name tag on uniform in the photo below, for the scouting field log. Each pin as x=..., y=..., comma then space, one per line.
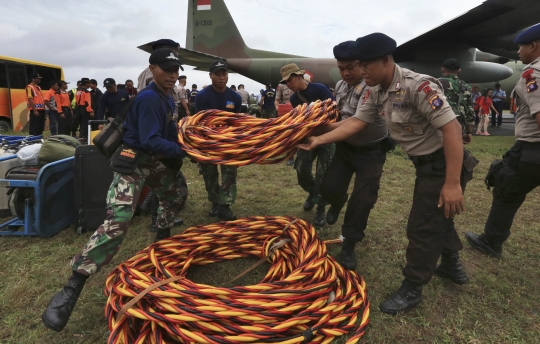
x=230, y=105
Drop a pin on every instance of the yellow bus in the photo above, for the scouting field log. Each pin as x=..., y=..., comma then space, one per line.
x=14, y=74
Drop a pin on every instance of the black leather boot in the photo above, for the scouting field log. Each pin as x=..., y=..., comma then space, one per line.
x=406, y=297
x=348, y=259
x=480, y=243
x=162, y=233
x=178, y=222
x=320, y=219
x=153, y=226
x=308, y=204
x=214, y=210
x=57, y=313
x=333, y=215
x=225, y=213
x=452, y=269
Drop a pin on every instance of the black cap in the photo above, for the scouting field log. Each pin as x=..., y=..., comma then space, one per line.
x=109, y=82
x=35, y=76
x=194, y=86
x=84, y=80
x=530, y=35
x=182, y=77
x=371, y=47
x=340, y=51
x=451, y=63
x=165, y=58
x=217, y=65
x=61, y=82
x=497, y=85
x=164, y=43
x=93, y=81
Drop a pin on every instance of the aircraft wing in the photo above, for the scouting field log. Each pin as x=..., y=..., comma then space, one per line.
x=490, y=27
x=188, y=57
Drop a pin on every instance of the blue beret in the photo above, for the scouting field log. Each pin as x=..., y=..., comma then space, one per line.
x=372, y=46
x=164, y=43
x=340, y=51
x=528, y=36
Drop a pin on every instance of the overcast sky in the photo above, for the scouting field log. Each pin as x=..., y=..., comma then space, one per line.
x=99, y=39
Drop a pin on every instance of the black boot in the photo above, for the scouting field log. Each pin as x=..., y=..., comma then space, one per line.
x=153, y=226
x=452, y=269
x=332, y=215
x=308, y=204
x=214, y=210
x=406, y=297
x=348, y=259
x=225, y=213
x=162, y=233
x=57, y=313
x=481, y=243
x=178, y=222
x=319, y=217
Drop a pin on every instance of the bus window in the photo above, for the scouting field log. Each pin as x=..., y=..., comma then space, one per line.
x=49, y=74
x=17, y=76
x=3, y=75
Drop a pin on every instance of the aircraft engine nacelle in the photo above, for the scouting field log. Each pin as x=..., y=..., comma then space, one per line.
x=471, y=71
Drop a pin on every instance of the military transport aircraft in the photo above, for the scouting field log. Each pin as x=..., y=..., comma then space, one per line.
x=490, y=27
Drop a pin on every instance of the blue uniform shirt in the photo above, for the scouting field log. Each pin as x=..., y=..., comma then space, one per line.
x=499, y=93
x=113, y=103
x=149, y=124
x=208, y=98
x=269, y=99
x=192, y=96
x=313, y=92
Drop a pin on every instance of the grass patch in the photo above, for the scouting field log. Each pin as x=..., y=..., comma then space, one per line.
x=500, y=305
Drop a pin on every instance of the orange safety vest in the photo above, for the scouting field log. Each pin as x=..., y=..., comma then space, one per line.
x=83, y=99
x=34, y=93
x=62, y=100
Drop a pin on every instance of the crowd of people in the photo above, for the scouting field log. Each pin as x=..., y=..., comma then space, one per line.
x=380, y=104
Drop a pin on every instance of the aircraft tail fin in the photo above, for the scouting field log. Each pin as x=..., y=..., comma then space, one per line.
x=212, y=30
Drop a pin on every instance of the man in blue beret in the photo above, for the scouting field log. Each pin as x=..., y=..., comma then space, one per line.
x=420, y=119
x=362, y=154
x=519, y=173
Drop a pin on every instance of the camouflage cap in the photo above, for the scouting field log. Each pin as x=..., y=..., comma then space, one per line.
x=288, y=70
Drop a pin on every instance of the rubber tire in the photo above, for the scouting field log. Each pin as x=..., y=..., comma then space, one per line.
x=5, y=126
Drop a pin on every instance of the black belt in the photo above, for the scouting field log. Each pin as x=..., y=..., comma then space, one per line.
x=361, y=149
x=428, y=158
x=529, y=145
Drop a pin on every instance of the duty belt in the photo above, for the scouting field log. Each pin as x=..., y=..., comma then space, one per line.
x=361, y=149
x=428, y=158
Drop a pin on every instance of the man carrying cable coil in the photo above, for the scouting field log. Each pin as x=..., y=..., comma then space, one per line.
x=363, y=154
x=150, y=141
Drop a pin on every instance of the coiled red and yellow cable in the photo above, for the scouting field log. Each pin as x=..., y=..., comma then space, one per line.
x=225, y=138
x=306, y=296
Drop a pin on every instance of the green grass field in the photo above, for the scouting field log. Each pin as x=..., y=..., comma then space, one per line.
x=500, y=305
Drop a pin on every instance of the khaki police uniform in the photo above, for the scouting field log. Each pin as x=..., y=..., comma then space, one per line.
x=283, y=94
x=363, y=154
x=414, y=107
x=520, y=172
x=145, y=78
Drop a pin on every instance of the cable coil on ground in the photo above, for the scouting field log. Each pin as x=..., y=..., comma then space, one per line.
x=225, y=138
x=306, y=296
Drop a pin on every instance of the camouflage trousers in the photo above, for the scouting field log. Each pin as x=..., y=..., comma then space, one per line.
x=122, y=199
x=304, y=165
x=254, y=110
x=226, y=193
x=269, y=113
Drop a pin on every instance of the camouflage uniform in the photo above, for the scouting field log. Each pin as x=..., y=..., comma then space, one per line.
x=459, y=96
x=255, y=110
x=269, y=113
x=122, y=200
x=226, y=193
x=303, y=166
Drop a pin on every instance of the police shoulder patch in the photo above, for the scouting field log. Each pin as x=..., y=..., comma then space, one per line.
x=436, y=102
